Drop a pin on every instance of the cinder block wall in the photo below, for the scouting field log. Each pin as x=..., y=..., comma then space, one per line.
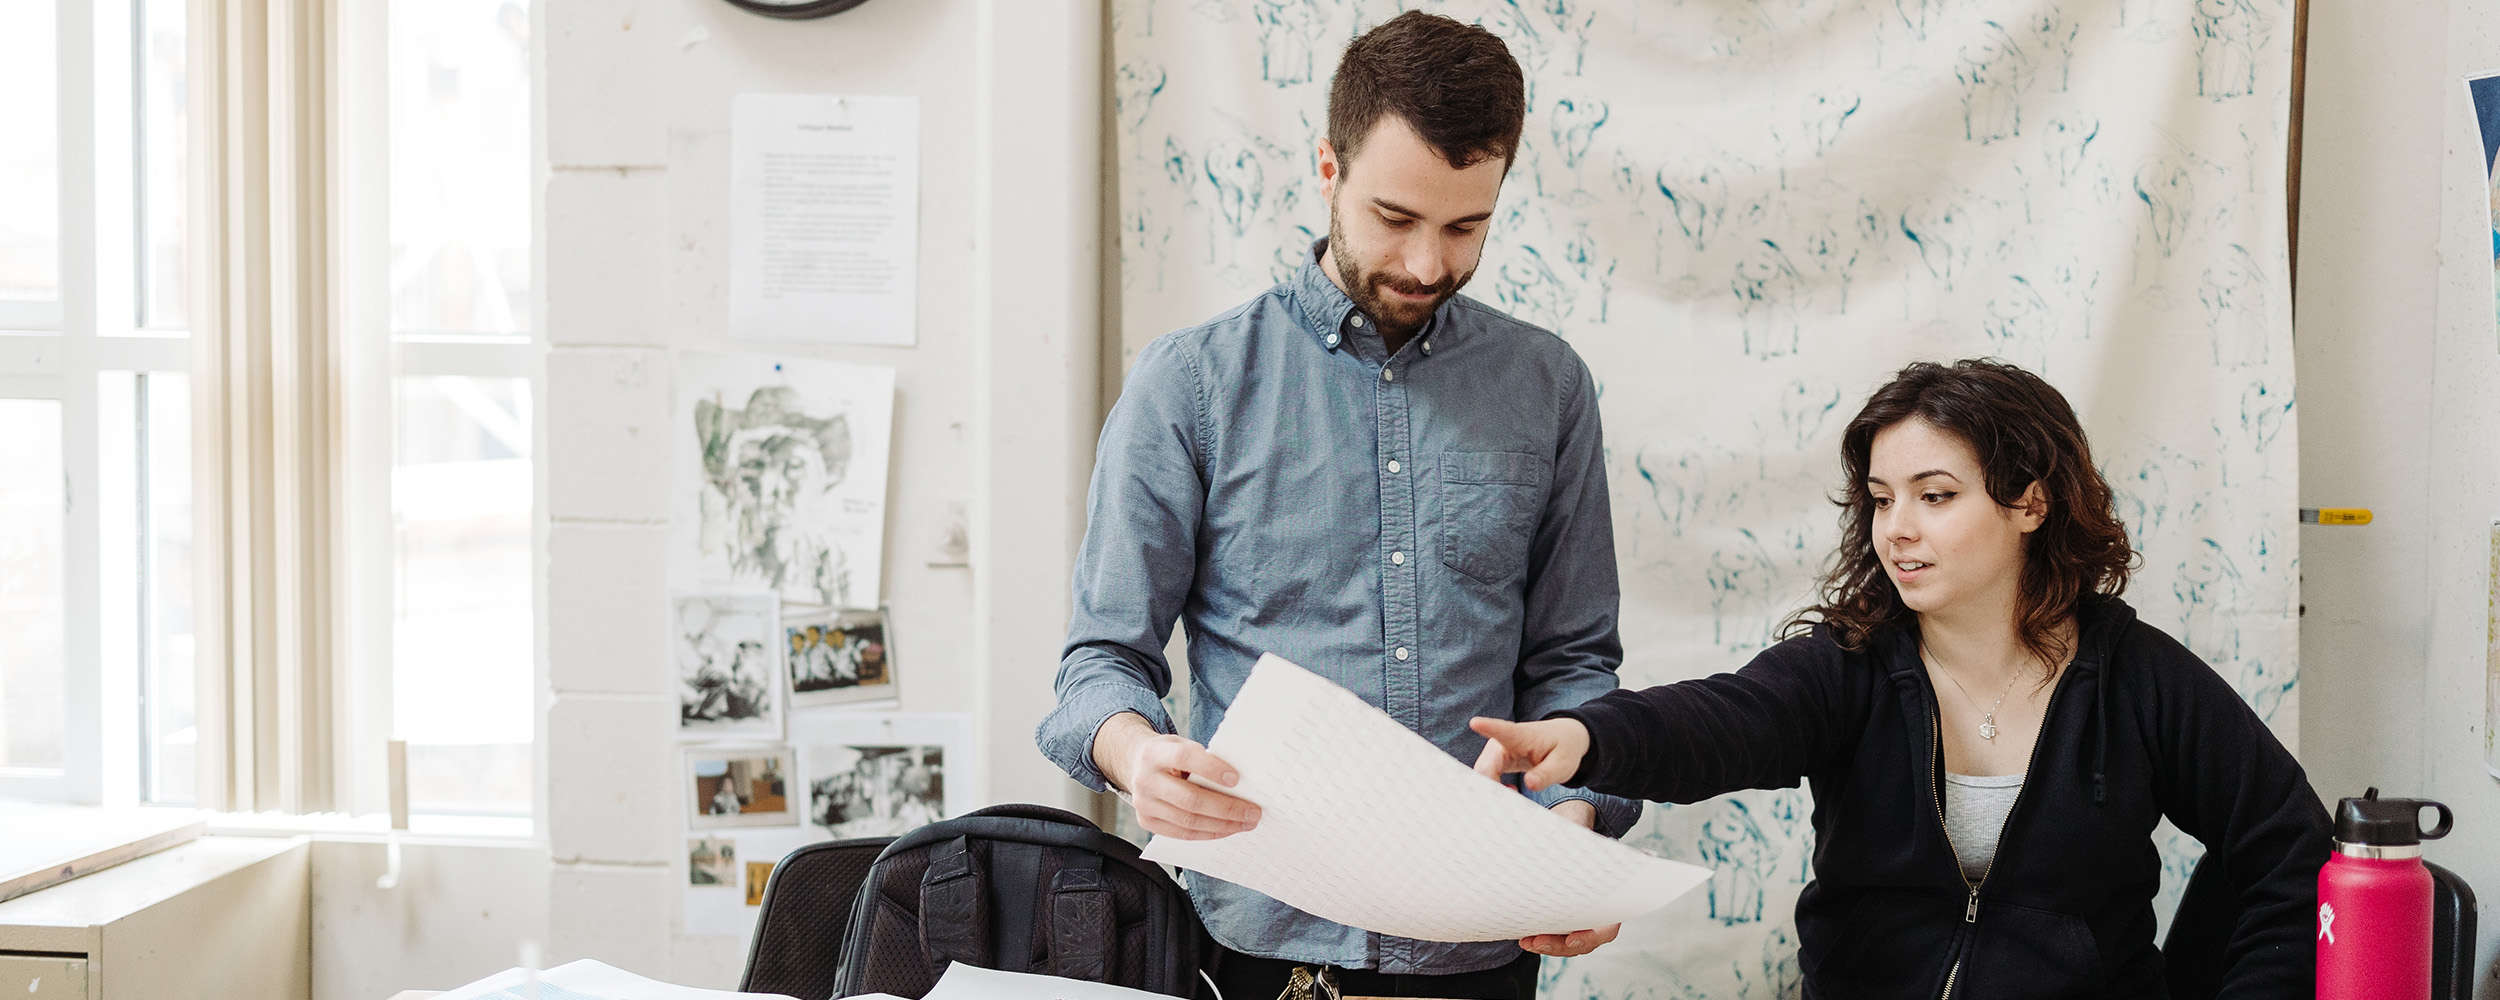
x=996, y=407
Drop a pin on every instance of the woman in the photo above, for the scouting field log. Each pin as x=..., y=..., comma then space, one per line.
x=1989, y=732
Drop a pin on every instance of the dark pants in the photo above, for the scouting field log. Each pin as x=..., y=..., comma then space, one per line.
x=1248, y=977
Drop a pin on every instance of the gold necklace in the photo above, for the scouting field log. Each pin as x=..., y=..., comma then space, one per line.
x=1987, y=719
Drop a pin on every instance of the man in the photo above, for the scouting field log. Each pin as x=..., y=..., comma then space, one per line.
x=1399, y=489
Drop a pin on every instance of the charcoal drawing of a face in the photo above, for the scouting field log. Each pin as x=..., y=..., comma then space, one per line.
x=772, y=470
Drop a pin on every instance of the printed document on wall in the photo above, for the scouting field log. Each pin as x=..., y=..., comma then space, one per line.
x=824, y=218
x=1367, y=824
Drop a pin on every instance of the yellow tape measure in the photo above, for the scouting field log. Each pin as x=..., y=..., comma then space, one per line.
x=2335, y=515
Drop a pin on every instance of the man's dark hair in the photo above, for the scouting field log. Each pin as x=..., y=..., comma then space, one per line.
x=1454, y=83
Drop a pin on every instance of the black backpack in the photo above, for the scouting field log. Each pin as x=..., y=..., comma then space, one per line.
x=1021, y=888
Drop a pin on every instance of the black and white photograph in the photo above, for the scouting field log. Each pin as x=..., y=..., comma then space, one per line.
x=883, y=775
x=712, y=861
x=738, y=787
x=727, y=654
x=839, y=658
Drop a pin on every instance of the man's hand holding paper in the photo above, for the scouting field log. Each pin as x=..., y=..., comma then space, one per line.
x=1365, y=823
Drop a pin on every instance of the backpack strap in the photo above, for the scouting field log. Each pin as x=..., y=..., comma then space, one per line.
x=1081, y=919
x=954, y=917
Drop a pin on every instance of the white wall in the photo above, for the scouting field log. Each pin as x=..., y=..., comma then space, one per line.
x=460, y=911
x=2399, y=368
x=996, y=406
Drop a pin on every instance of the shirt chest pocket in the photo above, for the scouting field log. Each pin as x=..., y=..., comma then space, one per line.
x=1489, y=506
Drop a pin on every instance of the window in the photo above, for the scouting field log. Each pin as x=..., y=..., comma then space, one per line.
x=464, y=679
x=95, y=448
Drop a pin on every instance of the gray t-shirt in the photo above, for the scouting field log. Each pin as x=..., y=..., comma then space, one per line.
x=1974, y=814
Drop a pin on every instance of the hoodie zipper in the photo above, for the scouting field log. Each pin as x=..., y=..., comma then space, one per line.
x=1935, y=763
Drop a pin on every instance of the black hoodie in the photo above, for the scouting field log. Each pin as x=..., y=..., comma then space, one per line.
x=2136, y=729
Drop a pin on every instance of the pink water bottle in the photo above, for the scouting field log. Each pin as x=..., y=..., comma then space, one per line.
x=2374, y=901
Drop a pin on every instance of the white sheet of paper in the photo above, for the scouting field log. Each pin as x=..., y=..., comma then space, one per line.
x=1368, y=824
x=964, y=981
x=586, y=979
x=824, y=230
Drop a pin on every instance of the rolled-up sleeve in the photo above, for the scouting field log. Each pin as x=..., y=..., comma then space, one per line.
x=1137, y=562
x=1571, y=648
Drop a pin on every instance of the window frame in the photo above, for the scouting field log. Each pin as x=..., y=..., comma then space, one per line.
x=60, y=350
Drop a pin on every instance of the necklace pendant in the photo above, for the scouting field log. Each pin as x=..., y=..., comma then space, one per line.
x=1988, y=727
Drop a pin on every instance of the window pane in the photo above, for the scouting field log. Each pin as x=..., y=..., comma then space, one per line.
x=165, y=525
x=460, y=197
x=164, y=147
x=31, y=709
x=462, y=667
x=30, y=211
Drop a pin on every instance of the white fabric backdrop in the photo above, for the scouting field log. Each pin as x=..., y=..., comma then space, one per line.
x=1745, y=215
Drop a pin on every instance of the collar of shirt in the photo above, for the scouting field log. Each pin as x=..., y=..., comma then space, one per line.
x=1329, y=314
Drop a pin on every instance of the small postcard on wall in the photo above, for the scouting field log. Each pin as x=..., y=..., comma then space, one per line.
x=883, y=775
x=732, y=786
x=824, y=218
x=839, y=658
x=725, y=652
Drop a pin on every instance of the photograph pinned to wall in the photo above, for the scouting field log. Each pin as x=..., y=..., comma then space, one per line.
x=783, y=478
x=759, y=875
x=2491, y=660
x=712, y=861
x=727, y=655
x=739, y=786
x=2485, y=90
x=885, y=774
x=839, y=658
x=728, y=908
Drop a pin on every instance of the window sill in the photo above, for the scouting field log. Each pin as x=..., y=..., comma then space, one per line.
x=422, y=828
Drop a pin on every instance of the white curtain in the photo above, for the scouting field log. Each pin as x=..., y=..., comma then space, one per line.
x=1745, y=214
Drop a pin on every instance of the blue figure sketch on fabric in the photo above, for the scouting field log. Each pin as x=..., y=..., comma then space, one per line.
x=1833, y=257
x=1595, y=270
x=2066, y=144
x=1143, y=244
x=1804, y=410
x=1675, y=484
x=2018, y=323
x=2207, y=586
x=2226, y=48
x=1554, y=33
x=1994, y=71
x=1528, y=288
x=1573, y=124
x=2168, y=192
x=1733, y=846
x=1699, y=198
x=1791, y=816
x=1767, y=288
x=2054, y=39
x=1779, y=975
x=1749, y=586
x=1135, y=91
x=1942, y=232
x=2264, y=685
x=1917, y=13
x=1291, y=35
x=2236, y=317
x=2263, y=415
x=1826, y=114
x=1236, y=185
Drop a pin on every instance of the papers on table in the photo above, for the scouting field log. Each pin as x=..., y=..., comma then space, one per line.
x=586, y=980
x=1365, y=823
x=963, y=981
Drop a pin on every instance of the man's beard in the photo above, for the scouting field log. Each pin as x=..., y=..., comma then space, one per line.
x=1397, y=317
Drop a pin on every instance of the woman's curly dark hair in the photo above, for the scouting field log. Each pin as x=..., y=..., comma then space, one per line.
x=2023, y=432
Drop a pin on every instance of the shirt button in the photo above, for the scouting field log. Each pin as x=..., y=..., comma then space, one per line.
x=1388, y=376
x=1332, y=340
x=1427, y=347
x=1393, y=465
x=1358, y=320
x=1401, y=652
x=1397, y=558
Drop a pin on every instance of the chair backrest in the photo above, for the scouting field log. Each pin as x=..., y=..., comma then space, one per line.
x=806, y=911
x=2192, y=952
x=2452, y=935
x=1021, y=888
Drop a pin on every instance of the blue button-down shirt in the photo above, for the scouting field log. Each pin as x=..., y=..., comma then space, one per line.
x=1429, y=530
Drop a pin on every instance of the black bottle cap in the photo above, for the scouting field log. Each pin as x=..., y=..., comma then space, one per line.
x=2387, y=822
